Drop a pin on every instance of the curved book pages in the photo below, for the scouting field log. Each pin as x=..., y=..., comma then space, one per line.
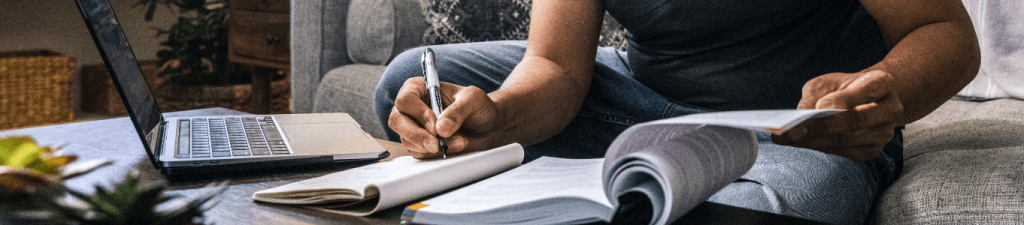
x=675, y=163
x=364, y=190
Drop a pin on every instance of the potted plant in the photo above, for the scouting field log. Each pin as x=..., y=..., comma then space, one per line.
x=194, y=69
x=197, y=45
x=32, y=191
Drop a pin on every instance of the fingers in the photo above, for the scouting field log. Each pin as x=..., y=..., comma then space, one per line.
x=469, y=110
x=413, y=120
x=867, y=88
x=815, y=89
x=860, y=132
x=414, y=137
x=411, y=101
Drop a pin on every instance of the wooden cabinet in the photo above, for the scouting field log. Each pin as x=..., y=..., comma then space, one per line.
x=258, y=37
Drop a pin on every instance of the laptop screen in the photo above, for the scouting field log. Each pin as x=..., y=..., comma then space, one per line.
x=125, y=72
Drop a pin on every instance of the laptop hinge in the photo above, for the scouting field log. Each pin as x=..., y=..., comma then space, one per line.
x=156, y=139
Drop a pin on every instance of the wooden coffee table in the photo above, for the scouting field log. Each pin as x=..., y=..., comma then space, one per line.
x=116, y=139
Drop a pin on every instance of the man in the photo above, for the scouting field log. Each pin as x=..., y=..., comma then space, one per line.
x=693, y=56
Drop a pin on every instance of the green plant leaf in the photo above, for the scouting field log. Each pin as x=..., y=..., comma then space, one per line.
x=8, y=145
x=104, y=202
x=24, y=154
x=142, y=209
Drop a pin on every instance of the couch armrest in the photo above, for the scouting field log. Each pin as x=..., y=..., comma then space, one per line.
x=312, y=55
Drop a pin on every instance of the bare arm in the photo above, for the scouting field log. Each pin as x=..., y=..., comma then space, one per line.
x=547, y=88
x=936, y=54
x=538, y=99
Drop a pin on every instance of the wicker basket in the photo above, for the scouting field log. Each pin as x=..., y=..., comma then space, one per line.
x=36, y=88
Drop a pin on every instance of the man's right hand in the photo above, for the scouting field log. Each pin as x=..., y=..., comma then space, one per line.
x=467, y=122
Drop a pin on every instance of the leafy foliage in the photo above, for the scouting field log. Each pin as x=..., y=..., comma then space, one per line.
x=197, y=45
x=24, y=164
x=127, y=203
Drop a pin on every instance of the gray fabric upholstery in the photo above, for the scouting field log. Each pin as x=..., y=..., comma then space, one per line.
x=380, y=29
x=963, y=164
x=350, y=89
x=318, y=45
x=319, y=42
x=305, y=56
x=334, y=50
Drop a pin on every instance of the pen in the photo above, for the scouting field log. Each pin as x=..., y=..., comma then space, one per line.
x=434, y=87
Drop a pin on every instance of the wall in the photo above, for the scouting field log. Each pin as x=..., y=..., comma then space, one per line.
x=57, y=25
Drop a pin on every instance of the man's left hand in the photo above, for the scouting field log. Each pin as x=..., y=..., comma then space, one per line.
x=859, y=133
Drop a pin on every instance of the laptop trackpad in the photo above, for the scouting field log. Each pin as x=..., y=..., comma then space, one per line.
x=329, y=139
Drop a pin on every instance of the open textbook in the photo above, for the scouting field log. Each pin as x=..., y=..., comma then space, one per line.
x=676, y=162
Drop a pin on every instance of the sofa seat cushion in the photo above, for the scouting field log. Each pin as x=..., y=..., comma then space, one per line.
x=350, y=89
x=964, y=163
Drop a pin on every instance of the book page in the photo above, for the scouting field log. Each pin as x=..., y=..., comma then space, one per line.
x=395, y=182
x=759, y=120
x=691, y=157
x=543, y=178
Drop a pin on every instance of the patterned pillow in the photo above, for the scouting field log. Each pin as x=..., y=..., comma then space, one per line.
x=462, y=21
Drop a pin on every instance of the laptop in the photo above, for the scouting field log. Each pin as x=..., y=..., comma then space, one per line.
x=191, y=145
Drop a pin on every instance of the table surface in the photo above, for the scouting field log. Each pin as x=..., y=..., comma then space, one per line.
x=115, y=139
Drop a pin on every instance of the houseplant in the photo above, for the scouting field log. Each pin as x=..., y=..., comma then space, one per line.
x=194, y=70
x=32, y=191
x=197, y=45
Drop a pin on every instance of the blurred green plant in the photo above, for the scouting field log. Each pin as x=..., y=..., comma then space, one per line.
x=24, y=166
x=197, y=45
x=32, y=178
x=128, y=203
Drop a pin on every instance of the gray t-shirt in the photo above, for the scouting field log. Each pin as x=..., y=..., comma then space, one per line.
x=744, y=54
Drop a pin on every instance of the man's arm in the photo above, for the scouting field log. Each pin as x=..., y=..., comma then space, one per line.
x=546, y=90
x=936, y=54
x=536, y=101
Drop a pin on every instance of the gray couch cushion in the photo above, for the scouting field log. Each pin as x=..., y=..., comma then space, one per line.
x=350, y=89
x=964, y=163
x=380, y=29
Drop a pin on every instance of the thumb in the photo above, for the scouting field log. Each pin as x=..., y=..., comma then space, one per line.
x=466, y=101
x=863, y=89
x=815, y=89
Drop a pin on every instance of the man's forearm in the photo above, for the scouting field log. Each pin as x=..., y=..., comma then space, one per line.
x=537, y=101
x=930, y=65
x=546, y=89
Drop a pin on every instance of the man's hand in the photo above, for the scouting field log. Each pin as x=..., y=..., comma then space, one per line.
x=468, y=118
x=859, y=133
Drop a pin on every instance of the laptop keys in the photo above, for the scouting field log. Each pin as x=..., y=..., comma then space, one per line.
x=274, y=139
x=200, y=131
x=261, y=151
x=230, y=136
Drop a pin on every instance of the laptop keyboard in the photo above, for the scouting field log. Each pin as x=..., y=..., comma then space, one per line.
x=229, y=136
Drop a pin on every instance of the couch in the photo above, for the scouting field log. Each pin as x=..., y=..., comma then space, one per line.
x=963, y=163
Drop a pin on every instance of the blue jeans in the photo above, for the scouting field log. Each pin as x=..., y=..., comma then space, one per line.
x=784, y=180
